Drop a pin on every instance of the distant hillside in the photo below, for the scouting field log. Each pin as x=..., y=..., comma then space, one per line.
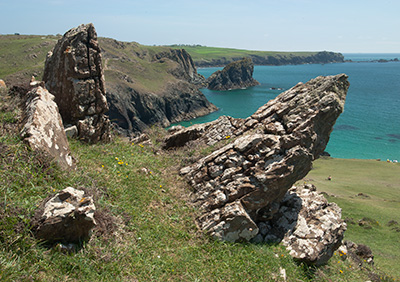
x=204, y=56
x=145, y=85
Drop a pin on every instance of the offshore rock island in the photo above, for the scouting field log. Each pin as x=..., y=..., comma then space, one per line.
x=235, y=75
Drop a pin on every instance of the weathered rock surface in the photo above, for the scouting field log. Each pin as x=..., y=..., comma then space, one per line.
x=273, y=149
x=236, y=75
x=73, y=73
x=67, y=217
x=310, y=227
x=43, y=129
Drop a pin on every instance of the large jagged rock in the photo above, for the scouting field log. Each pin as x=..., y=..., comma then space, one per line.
x=73, y=73
x=67, y=217
x=235, y=75
x=310, y=227
x=273, y=149
x=43, y=129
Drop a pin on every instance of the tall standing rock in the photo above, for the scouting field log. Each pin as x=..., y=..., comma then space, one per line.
x=73, y=73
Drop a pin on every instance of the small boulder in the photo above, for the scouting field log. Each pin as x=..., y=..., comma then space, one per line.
x=67, y=217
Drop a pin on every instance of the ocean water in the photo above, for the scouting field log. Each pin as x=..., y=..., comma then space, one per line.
x=369, y=127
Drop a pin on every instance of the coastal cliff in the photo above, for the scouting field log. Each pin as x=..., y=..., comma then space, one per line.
x=235, y=75
x=148, y=86
x=268, y=58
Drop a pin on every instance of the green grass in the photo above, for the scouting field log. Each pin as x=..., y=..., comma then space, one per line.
x=24, y=54
x=155, y=238
x=379, y=183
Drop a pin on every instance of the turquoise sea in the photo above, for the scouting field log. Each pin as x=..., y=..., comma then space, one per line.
x=369, y=127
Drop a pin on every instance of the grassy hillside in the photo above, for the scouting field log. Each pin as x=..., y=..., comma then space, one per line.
x=24, y=55
x=146, y=226
x=366, y=190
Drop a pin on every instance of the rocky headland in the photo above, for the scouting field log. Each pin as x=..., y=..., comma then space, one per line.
x=323, y=57
x=148, y=86
x=236, y=75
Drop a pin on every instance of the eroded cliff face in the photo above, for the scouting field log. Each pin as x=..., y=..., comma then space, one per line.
x=148, y=87
x=236, y=75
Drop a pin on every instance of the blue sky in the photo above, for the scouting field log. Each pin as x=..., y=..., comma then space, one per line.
x=276, y=25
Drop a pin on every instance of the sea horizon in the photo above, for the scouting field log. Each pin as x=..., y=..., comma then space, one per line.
x=369, y=127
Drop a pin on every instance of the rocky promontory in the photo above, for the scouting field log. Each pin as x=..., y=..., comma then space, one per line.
x=235, y=75
x=151, y=86
x=282, y=58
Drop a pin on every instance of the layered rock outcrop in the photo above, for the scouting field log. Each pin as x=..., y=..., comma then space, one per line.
x=73, y=73
x=235, y=75
x=243, y=183
x=43, y=129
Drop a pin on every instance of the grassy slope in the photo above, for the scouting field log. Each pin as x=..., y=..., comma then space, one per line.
x=156, y=238
x=135, y=61
x=380, y=182
x=24, y=54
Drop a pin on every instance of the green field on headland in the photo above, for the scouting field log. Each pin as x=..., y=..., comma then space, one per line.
x=199, y=52
x=204, y=56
